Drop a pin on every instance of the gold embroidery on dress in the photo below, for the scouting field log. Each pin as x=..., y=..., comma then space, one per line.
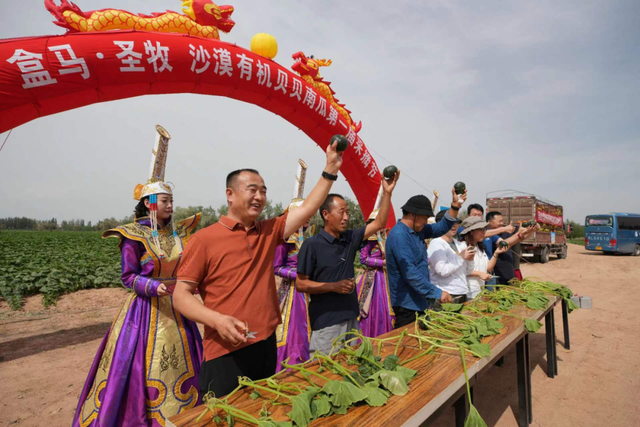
x=169, y=360
x=106, y=359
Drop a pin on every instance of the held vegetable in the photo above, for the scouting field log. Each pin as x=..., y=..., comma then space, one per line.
x=459, y=187
x=390, y=171
x=342, y=141
x=503, y=244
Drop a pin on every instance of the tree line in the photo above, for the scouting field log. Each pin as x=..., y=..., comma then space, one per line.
x=210, y=216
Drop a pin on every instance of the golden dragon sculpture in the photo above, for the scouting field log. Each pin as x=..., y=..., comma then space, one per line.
x=309, y=69
x=201, y=18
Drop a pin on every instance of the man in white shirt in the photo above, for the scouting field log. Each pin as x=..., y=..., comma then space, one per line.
x=446, y=264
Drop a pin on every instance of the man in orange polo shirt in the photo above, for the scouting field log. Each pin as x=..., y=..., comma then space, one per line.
x=231, y=264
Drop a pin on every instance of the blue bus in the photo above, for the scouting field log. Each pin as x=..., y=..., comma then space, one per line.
x=613, y=233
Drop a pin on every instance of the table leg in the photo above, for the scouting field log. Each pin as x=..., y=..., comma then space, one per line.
x=565, y=324
x=461, y=408
x=523, y=386
x=555, y=347
x=550, y=343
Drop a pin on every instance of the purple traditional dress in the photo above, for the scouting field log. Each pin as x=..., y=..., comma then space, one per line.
x=147, y=365
x=376, y=314
x=293, y=334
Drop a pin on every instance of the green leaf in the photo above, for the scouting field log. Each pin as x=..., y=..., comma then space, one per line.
x=375, y=395
x=343, y=394
x=230, y=420
x=571, y=305
x=470, y=339
x=483, y=350
x=272, y=423
x=537, y=301
x=359, y=381
x=391, y=380
x=365, y=370
x=264, y=412
x=365, y=349
x=532, y=325
x=452, y=308
x=256, y=394
x=321, y=406
x=390, y=362
x=217, y=420
x=301, y=407
x=340, y=410
x=474, y=419
x=407, y=373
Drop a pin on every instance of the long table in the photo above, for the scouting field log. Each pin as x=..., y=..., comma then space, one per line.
x=439, y=384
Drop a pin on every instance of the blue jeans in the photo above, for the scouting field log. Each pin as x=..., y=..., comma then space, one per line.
x=489, y=284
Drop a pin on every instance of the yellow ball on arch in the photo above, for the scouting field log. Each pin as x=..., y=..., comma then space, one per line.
x=265, y=45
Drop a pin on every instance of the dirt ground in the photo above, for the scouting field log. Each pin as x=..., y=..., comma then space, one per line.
x=45, y=354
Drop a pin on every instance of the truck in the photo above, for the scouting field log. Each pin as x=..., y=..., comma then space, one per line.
x=517, y=207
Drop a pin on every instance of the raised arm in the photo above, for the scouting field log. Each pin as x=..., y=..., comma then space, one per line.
x=506, y=229
x=297, y=217
x=383, y=215
x=441, y=228
x=520, y=235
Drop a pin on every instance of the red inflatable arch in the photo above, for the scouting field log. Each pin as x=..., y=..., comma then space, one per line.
x=40, y=76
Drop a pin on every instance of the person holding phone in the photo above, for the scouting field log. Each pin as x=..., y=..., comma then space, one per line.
x=447, y=266
x=479, y=267
x=326, y=271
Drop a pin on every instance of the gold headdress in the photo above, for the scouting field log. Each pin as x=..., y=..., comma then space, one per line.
x=156, y=185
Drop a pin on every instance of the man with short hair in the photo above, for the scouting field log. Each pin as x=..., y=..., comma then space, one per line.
x=407, y=260
x=474, y=209
x=231, y=264
x=326, y=271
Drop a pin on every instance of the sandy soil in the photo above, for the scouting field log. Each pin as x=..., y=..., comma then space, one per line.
x=45, y=354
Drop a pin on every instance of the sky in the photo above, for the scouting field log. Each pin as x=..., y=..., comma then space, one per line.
x=541, y=97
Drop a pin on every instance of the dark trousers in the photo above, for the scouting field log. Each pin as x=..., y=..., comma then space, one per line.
x=256, y=361
x=404, y=316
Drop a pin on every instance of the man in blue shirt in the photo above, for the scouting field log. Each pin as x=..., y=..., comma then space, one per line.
x=407, y=261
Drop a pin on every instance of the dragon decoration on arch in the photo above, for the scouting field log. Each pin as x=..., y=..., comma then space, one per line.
x=201, y=18
x=309, y=69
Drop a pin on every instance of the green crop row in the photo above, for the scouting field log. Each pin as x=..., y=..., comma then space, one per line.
x=54, y=263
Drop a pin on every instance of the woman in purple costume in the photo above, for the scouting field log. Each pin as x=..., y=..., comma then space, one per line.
x=293, y=333
x=147, y=365
x=376, y=314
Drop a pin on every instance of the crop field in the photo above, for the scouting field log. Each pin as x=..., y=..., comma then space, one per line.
x=54, y=263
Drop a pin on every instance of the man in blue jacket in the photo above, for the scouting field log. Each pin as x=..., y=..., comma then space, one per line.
x=407, y=261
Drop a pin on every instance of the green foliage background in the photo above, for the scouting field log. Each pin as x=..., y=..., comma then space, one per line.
x=51, y=258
